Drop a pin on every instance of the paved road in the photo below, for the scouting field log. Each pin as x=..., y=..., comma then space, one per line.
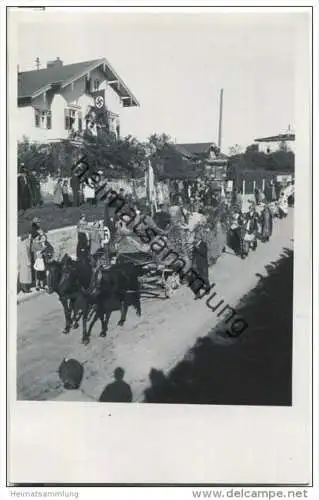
x=159, y=339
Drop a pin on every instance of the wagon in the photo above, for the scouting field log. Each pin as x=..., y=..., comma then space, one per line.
x=158, y=280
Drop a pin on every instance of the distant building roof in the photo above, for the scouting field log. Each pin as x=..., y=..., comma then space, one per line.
x=196, y=148
x=277, y=138
x=57, y=75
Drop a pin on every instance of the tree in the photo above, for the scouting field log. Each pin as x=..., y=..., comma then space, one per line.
x=252, y=148
x=33, y=157
x=235, y=150
x=159, y=141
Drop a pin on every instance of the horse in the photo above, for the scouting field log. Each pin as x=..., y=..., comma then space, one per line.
x=113, y=289
x=70, y=280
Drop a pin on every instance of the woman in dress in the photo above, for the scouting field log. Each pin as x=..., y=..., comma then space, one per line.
x=65, y=194
x=25, y=266
x=266, y=224
x=39, y=246
x=283, y=205
x=200, y=261
x=58, y=194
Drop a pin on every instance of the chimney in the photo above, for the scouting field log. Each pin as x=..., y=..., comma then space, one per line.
x=56, y=63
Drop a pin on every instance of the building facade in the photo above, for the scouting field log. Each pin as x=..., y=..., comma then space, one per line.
x=271, y=144
x=54, y=102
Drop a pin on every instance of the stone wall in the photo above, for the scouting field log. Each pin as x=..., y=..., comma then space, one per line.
x=63, y=241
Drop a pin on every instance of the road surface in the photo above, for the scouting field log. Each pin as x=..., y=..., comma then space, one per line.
x=158, y=339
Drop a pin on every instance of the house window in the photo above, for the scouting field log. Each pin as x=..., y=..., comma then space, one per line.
x=96, y=84
x=49, y=120
x=69, y=118
x=43, y=119
x=37, y=118
x=88, y=85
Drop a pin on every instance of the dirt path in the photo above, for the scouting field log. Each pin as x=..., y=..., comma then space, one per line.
x=159, y=339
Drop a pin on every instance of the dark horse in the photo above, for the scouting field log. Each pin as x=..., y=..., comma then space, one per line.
x=113, y=289
x=70, y=280
x=83, y=292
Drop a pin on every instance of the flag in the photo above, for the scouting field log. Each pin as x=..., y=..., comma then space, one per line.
x=150, y=185
x=99, y=99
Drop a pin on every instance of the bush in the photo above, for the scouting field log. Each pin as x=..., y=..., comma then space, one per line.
x=279, y=161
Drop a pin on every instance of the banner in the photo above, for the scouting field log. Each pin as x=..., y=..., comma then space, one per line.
x=99, y=100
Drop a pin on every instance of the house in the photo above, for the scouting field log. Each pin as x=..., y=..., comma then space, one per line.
x=276, y=142
x=54, y=101
x=209, y=155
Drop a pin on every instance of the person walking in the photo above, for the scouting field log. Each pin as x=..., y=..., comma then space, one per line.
x=200, y=262
x=75, y=186
x=89, y=194
x=65, y=194
x=283, y=205
x=162, y=217
x=34, y=232
x=58, y=194
x=39, y=265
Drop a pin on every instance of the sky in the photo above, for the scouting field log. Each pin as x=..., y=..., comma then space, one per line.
x=176, y=64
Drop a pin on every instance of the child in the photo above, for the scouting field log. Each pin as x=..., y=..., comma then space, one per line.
x=39, y=265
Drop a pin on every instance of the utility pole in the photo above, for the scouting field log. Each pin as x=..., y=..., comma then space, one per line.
x=37, y=62
x=220, y=123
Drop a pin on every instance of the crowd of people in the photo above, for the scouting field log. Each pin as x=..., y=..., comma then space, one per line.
x=198, y=225
x=35, y=251
x=28, y=189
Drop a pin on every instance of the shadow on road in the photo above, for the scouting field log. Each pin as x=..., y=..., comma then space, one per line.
x=255, y=369
x=118, y=391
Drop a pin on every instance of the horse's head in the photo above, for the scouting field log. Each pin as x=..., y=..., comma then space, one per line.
x=69, y=277
x=53, y=274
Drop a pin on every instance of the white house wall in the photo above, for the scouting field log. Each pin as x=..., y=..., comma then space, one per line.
x=274, y=146
x=71, y=95
x=25, y=122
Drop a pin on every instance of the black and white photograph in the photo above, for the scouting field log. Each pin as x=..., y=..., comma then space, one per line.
x=156, y=174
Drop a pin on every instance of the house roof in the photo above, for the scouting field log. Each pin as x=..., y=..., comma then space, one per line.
x=195, y=148
x=277, y=138
x=34, y=83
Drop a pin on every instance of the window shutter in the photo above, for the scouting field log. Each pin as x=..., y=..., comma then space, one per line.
x=88, y=85
x=66, y=119
x=49, y=120
x=37, y=118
